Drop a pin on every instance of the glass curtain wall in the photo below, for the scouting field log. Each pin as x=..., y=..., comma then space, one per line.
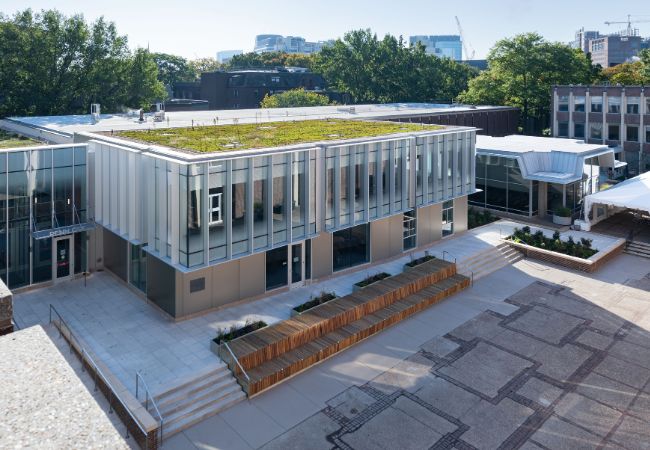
x=503, y=187
x=192, y=210
x=351, y=247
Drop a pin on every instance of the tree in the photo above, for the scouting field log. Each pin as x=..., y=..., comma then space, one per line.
x=200, y=65
x=644, y=57
x=387, y=70
x=172, y=69
x=294, y=98
x=143, y=84
x=629, y=73
x=521, y=72
x=53, y=64
x=269, y=60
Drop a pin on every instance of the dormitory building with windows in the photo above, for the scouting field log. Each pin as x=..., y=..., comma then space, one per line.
x=618, y=116
x=194, y=231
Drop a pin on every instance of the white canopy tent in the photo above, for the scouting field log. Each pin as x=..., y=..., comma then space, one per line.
x=631, y=194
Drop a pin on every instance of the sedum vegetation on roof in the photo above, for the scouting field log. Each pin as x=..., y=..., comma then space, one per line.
x=10, y=140
x=217, y=138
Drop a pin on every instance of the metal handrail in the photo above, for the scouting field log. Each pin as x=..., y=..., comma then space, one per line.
x=443, y=255
x=139, y=378
x=85, y=356
x=237, y=361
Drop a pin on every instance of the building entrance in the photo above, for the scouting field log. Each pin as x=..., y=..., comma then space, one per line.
x=63, y=258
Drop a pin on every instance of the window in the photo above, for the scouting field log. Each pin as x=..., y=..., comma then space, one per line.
x=563, y=103
x=235, y=92
x=647, y=105
x=614, y=132
x=579, y=104
x=632, y=133
x=351, y=247
x=215, y=207
x=614, y=105
x=410, y=230
x=448, y=218
x=647, y=133
x=275, y=79
x=563, y=129
x=596, y=130
x=579, y=130
x=633, y=105
x=597, y=104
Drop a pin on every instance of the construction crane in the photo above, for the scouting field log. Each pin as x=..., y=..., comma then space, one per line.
x=630, y=31
x=466, y=45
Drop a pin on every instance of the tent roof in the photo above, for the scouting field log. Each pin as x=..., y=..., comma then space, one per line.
x=633, y=194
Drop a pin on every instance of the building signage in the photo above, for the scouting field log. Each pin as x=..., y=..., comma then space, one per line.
x=63, y=231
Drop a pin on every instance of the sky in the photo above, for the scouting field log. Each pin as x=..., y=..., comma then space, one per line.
x=200, y=28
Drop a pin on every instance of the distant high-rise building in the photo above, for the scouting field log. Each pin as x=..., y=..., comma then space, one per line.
x=289, y=44
x=582, y=39
x=443, y=46
x=226, y=55
x=609, y=51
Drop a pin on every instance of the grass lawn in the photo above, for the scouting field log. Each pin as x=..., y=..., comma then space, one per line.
x=217, y=138
x=10, y=140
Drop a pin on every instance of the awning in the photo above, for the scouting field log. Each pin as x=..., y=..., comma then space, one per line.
x=632, y=194
x=63, y=231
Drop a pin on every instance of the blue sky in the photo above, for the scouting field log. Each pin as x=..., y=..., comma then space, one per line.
x=198, y=28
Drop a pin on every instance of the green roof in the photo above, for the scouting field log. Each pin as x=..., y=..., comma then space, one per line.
x=10, y=140
x=218, y=138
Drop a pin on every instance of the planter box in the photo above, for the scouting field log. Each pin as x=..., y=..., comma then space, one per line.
x=586, y=265
x=559, y=220
x=214, y=347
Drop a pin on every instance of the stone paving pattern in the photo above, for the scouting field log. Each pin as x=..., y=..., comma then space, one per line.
x=557, y=373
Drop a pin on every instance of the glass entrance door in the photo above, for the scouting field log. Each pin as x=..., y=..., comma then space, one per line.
x=297, y=265
x=62, y=257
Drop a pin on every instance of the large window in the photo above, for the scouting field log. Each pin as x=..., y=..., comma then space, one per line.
x=596, y=104
x=647, y=133
x=579, y=130
x=138, y=267
x=240, y=220
x=579, y=103
x=351, y=247
x=632, y=133
x=614, y=105
x=614, y=132
x=596, y=130
x=563, y=129
x=276, y=268
x=503, y=186
x=216, y=212
x=448, y=218
x=633, y=105
x=563, y=103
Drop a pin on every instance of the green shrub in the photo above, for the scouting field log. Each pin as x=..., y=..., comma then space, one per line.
x=372, y=279
x=581, y=249
x=324, y=297
x=228, y=334
x=562, y=212
x=420, y=260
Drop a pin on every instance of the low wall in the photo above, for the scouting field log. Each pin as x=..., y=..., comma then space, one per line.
x=139, y=422
x=585, y=265
x=6, y=310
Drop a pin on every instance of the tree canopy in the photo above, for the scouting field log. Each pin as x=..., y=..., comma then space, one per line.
x=294, y=98
x=387, y=70
x=268, y=60
x=521, y=72
x=53, y=64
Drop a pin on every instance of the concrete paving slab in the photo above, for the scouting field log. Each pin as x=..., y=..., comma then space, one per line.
x=595, y=340
x=546, y=324
x=213, y=432
x=439, y=346
x=285, y=405
x=351, y=402
x=310, y=434
x=632, y=353
x=589, y=414
x=632, y=434
x=490, y=425
x=556, y=433
x=425, y=416
x=623, y=371
x=540, y=392
x=610, y=392
x=484, y=326
x=409, y=375
x=252, y=424
x=561, y=363
x=448, y=397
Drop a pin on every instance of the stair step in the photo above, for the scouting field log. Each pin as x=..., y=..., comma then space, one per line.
x=191, y=381
x=636, y=253
x=206, y=408
x=181, y=402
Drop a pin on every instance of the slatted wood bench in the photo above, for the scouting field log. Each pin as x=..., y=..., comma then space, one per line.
x=279, y=351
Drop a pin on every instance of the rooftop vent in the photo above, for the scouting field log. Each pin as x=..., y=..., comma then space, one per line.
x=95, y=112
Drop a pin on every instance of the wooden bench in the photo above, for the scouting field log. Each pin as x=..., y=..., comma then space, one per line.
x=281, y=350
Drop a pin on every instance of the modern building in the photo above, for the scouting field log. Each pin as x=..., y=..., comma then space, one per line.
x=614, y=49
x=243, y=89
x=193, y=231
x=582, y=38
x=533, y=176
x=289, y=44
x=226, y=55
x=618, y=116
x=443, y=46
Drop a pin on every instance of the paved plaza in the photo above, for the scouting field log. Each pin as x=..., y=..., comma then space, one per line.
x=560, y=360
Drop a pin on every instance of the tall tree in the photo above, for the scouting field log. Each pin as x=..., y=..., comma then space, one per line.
x=53, y=64
x=521, y=72
x=200, y=65
x=172, y=69
x=387, y=70
x=629, y=73
x=254, y=60
x=294, y=98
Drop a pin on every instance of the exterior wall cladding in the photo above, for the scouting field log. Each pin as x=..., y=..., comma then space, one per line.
x=212, y=219
x=615, y=115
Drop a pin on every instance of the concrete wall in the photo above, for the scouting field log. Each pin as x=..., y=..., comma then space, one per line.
x=542, y=193
x=221, y=284
x=115, y=254
x=162, y=285
x=460, y=214
x=321, y=255
x=6, y=310
x=386, y=237
x=429, y=224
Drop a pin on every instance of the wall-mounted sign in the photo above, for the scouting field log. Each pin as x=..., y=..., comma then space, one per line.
x=63, y=231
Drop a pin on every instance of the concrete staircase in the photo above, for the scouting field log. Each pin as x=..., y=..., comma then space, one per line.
x=637, y=248
x=489, y=260
x=197, y=398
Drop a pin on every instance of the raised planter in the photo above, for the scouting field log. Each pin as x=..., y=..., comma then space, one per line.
x=591, y=264
x=561, y=220
x=224, y=336
x=417, y=261
x=370, y=280
x=323, y=298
